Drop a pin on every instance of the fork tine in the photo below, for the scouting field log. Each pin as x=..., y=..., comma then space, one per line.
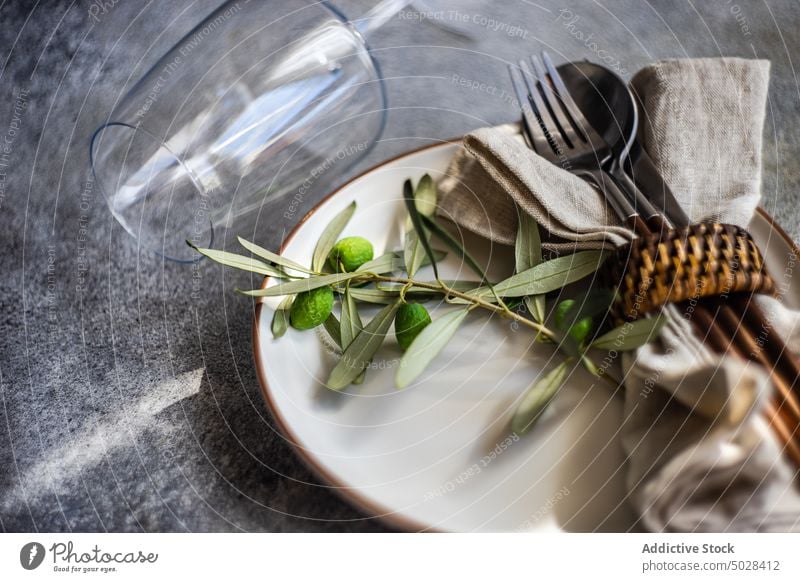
x=546, y=122
x=579, y=122
x=589, y=134
x=530, y=124
x=554, y=104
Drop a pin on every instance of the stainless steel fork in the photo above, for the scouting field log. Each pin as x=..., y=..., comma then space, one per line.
x=558, y=131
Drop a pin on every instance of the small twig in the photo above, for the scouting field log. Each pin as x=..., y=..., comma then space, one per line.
x=477, y=301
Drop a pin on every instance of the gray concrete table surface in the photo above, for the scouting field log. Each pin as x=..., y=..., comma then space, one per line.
x=128, y=407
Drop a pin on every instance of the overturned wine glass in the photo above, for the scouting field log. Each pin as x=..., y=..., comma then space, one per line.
x=255, y=104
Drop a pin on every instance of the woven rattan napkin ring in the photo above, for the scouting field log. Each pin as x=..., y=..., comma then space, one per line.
x=686, y=264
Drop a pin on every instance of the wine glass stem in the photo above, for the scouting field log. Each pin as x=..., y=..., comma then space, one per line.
x=380, y=14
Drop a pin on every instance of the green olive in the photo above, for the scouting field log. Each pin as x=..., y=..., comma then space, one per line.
x=410, y=320
x=311, y=308
x=579, y=330
x=350, y=253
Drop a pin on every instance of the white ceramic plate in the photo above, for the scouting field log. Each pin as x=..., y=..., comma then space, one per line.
x=436, y=455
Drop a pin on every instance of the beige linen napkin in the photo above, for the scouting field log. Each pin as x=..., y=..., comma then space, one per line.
x=700, y=455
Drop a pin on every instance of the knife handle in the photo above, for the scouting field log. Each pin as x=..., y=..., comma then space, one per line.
x=645, y=174
x=641, y=204
x=638, y=225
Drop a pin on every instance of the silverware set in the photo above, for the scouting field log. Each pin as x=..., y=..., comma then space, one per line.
x=556, y=128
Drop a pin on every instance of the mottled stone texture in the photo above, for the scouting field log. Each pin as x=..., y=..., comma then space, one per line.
x=125, y=405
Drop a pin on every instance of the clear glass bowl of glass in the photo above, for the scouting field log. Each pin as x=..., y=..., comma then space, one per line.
x=244, y=117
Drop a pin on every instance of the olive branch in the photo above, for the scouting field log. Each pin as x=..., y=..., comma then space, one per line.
x=345, y=270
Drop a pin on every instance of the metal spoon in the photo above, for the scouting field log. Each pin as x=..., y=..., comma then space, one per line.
x=610, y=107
x=607, y=102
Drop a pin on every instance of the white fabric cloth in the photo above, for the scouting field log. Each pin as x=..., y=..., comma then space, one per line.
x=700, y=454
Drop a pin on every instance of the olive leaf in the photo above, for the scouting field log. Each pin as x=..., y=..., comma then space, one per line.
x=351, y=321
x=273, y=258
x=334, y=329
x=427, y=345
x=455, y=245
x=240, y=262
x=292, y=287
x=537, y=307
x=425, y=196
x=528, y=246
x=350, y=325
x=280, y=319
x=384, y=295
x=386, y=263
x=631, y=335
x=378, y=296
x=329, y=237
x=591, y=366
x=419, y=229
x=537, y=397
x=437, y=254
x=414, y=252
x=547, y=276
x=528, y=253
x=357, y=355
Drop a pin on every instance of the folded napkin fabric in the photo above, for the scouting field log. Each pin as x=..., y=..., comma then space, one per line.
x=700, y=454
x=702, y=125
x=495, y=173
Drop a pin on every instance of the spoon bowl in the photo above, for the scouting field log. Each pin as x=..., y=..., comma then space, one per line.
x=606, y=102
x=611, y=109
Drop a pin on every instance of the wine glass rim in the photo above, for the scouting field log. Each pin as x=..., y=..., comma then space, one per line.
x=327, y=7
x=121, y=219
